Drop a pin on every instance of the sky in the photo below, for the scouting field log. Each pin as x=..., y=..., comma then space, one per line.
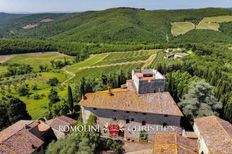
x=35, y=6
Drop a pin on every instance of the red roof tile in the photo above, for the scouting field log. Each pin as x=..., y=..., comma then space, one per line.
x=129, y=100
x=172, y=143
x=216, y=132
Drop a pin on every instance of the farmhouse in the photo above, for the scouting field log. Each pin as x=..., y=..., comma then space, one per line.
x=214, y=135
x=140, y=105
x=31, y=136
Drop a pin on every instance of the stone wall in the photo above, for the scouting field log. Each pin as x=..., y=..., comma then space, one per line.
x=153, y=122
x=145, y=86
x=152, y=86
x=202, y=146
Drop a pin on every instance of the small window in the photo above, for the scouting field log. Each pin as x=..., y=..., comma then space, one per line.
x=165, y=115
x=144, y=113
x=165, y=124
x=143, y=123
x=132, y=119
x=114, y=111
x=94, y=109
x=127, y=112
x=127, y=121
x=114, y=118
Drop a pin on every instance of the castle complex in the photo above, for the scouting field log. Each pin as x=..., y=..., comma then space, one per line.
x=140, y=105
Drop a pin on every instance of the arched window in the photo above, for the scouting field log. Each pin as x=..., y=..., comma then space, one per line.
x=114, y=118
x=143, y=123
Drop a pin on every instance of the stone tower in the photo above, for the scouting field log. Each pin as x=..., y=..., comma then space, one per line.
x=148, y=81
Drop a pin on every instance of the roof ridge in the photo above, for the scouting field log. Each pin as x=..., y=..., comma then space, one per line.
x=186, y=148
x=223, y=128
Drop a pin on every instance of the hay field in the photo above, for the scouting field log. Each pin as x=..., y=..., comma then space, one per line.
x=179, y=28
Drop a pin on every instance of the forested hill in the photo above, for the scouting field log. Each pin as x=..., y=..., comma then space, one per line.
x=6, y=16
x=119, y=25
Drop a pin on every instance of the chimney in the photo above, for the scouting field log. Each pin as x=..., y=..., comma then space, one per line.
x=110, y=91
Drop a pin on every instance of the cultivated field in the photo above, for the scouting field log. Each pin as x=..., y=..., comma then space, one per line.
x=210, y=23
x=100, y=63
x=179, y=28
x=36, y=59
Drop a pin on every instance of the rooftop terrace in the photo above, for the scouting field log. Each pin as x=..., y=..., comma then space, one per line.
x=148, y=74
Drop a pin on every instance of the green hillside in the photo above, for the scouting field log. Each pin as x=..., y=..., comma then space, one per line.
x=6, y=16
x=12, y=24
x=121, y=25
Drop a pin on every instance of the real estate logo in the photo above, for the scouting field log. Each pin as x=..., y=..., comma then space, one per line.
x=113, y=128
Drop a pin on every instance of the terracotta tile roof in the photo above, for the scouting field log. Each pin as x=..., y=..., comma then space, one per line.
x=5, y=150
x=191, y=135
x=22, y=142
x=128, y=100
x=11, y=130
x=172, y=143
x=216, y=132
x=55, y=123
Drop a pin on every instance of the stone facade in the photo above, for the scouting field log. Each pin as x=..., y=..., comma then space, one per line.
x=156, y=83
x=147, y=83
x=202, y=146
x=133, y=122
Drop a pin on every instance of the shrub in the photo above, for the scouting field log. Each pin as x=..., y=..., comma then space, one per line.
x=53, y=81
x=143, y=136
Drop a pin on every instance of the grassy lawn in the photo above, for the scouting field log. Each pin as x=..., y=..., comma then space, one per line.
x=36, y=59
x=179, y=28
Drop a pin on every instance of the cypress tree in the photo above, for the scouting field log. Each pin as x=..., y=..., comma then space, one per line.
x=70, y=99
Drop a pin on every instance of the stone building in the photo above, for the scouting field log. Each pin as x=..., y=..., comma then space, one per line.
x=214, y=135
x=141, y=104
x=32, y=136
